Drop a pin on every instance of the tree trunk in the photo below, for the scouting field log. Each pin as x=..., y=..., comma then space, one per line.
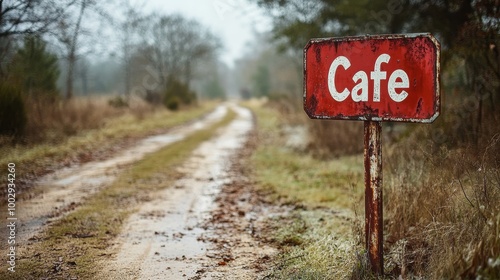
x=72, y=52
x=1, y=14
x=85, y=80
x=128, y=74
x=69, y=78
x=127, y=80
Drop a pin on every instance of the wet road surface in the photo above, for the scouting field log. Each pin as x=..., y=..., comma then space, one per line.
x=166, y=238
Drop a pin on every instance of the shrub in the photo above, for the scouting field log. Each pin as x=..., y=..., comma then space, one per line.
x=152, y=97
x=13, y=116
x=179, y=90
x=118, y=102
x=172, y=103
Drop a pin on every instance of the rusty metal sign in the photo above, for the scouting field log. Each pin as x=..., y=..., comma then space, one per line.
x=374, y=79
x=378, y=78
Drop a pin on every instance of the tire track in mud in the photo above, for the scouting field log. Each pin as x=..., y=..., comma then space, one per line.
x=175, y=236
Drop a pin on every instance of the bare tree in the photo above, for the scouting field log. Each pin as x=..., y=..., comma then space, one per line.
x=70, y=32
x=20, y=17
x=130, y=36
x=82, y=71
x=69, y=35
x=175, y=45
x=29, y=16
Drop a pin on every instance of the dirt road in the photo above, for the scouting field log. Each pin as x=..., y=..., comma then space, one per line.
x=198, y=228
x=58, y=193
x=170, y=237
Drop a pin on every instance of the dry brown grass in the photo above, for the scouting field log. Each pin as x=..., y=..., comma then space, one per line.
x=53, y=121
x=326, y=138
x=335, y=138
x=441, y=204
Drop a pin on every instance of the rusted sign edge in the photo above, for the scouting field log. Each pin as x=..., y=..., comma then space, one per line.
x=372, y=37
x=437, y=89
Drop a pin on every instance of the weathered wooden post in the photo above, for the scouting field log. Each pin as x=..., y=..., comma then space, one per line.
x=373, y=79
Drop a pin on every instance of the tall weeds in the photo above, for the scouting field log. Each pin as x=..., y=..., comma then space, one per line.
x=54, y=120
x=326, y=138
x=335, y=138
x=441, y=204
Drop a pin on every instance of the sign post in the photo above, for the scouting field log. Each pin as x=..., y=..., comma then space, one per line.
x=374, y=229
x=373, y=79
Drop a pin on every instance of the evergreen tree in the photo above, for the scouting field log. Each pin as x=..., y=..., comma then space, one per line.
x=13, y=117
x=35, y=69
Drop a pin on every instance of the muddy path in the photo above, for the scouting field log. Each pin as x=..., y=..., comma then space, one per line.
x=201, y=227
x=58, y=193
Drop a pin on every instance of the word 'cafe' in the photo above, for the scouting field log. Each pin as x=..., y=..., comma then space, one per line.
x=397, y=80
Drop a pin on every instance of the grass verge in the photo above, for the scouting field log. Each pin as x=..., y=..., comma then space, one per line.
x=315, y=238
x=72, y=247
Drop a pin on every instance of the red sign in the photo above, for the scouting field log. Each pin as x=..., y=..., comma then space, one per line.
x=378, y=78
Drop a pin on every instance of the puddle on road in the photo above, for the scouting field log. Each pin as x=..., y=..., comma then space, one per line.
x=165, y=239
x=62, y=190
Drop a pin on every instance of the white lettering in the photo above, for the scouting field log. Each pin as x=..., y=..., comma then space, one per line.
x=394, y=84
x=377, y=75
x=398, y=80
x=361, y=86
x=338, y=96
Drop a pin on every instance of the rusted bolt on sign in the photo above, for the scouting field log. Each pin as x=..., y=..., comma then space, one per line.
x=373, y=78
